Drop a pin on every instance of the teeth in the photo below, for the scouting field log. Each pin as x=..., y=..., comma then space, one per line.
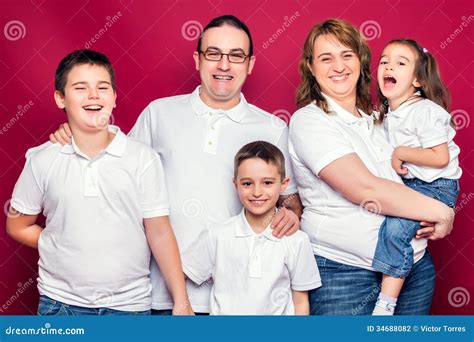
x=222, y=77
x=92, y=107
x=258, y=202
x=338, y=78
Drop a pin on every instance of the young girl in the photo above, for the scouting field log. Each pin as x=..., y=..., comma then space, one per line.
x=414, y=105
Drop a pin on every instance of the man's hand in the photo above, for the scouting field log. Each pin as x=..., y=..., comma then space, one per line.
x=397, y=163
x=63, y=135
x=285, y=222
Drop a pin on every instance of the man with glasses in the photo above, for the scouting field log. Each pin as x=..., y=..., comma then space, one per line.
x=197, y=136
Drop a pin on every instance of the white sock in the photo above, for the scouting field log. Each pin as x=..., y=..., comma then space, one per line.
x=385, y=305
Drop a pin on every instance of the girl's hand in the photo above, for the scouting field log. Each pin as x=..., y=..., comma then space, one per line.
x=397, y=163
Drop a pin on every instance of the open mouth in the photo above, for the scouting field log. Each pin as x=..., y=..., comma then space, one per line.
x=93, y=108
x=389, y=80
x=222, y=77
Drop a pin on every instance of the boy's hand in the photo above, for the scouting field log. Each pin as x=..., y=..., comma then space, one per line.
x=63, y=135
x=285, y=222
x=397, y=163
x=184, y=309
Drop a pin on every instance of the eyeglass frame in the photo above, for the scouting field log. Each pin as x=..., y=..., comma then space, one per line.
x=222, y=55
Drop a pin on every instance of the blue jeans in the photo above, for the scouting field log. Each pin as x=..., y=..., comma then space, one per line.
x=349, y=290
x=394, y=253
x=50, y=307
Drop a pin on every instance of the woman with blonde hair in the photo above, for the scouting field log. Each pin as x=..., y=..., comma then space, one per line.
x=342, y=164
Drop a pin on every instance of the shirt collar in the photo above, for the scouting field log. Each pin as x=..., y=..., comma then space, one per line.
x=235, y=114
x=347, y=117
x=116, y=147
x=243, y=229
x=402, y=110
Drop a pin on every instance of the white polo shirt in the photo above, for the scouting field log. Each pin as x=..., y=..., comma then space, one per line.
x=253, y=274
x=93, y=250
x=337, y=228
x=424, y=124
x=197, y=145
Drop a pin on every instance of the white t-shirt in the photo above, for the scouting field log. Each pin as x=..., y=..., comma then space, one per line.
x=424, y=124
x=197, y=145
x=337, y=228
x=93, y=250
x=253, y=274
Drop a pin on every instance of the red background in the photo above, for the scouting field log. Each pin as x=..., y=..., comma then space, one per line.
x=152, y=55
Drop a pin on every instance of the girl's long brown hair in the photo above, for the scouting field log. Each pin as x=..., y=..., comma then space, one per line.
x=309, y=89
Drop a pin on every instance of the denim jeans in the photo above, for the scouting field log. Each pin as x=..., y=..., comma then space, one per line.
x=394, y=253
x=50, y=307
x=349, y=290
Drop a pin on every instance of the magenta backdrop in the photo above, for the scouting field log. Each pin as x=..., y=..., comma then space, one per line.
x=151, y=43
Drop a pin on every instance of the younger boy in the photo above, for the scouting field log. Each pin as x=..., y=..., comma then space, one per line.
x=254, y=272
x=105, y=200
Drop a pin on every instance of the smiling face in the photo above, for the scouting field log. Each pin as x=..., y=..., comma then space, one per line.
x=88, y=97
x=259, y=185
x=222, y=81
x=396, y=74
x=336, y=68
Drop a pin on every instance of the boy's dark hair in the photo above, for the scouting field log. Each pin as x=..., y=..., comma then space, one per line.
x=262, y=150
x=80, y=57
x=229, y=20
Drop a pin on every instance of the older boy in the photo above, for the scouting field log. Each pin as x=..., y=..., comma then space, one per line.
x=105, y=200
x=254, y=272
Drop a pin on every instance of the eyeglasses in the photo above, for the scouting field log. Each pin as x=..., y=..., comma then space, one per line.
x=216, y=56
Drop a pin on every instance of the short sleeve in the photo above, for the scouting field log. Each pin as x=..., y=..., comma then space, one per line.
x=142, y=130
x=153, y=193
x=303, y=269
x=282, y=144
x=431, y=125
x=27, y=195
x=198, y=260
x=315, y=139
